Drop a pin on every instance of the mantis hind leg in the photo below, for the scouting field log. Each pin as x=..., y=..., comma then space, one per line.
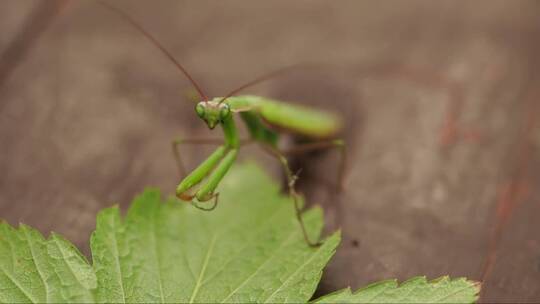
x=291, y=179
x=322, y=145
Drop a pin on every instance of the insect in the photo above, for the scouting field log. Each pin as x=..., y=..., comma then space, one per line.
x=266, y=119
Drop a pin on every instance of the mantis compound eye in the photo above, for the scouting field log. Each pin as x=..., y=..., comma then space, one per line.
x=224, y=112
x=199, y=108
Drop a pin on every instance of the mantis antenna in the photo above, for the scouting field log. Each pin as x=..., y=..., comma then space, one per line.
x=155, y=42
x=262, y=79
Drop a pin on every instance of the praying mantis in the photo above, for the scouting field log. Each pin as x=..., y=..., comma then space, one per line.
x=266, y=120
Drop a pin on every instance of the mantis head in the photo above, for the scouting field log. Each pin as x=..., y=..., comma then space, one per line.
x=213, y=112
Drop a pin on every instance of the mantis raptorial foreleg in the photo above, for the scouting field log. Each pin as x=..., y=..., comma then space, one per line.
x=206, y=191
x=214, y=167
x=197, y=175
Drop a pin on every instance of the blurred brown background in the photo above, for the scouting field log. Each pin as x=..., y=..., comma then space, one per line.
x=440, y=101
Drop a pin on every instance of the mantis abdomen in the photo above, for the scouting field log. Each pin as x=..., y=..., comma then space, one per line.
x=293, y=118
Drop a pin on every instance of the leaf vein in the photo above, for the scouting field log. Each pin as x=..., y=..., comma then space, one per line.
x=411, y=290
x=233, y=257
x=35, y=264
x=155, y=249
x=319, y=251
x=64, y=259
x=452, y=293
x=26, y=294
x=378, y=294
x=203, y=268
x=293, y=232
x=117, y=260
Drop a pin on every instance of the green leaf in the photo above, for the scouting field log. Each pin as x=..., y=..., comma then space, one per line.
x=250, y=249
x=415, y=290
x=33, y=269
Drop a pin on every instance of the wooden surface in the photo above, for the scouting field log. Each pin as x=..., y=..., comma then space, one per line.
x=440, y=101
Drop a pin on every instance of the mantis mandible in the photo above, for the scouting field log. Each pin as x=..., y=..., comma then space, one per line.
x=265, y=119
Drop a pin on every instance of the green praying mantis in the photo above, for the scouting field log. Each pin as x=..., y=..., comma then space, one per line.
x=265, y=119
